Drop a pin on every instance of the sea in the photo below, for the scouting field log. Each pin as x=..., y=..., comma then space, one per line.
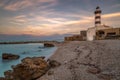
x=23, y=50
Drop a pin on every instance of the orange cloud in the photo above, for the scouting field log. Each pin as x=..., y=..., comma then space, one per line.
x=21, y=19
x=45, y=26
x=12, y=30
x=117, y=14
x=50, y=27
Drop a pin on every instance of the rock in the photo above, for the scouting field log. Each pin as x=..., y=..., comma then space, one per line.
x=43, y=57
x=13, y=66
x=2, y=78
x=93, y=70
x=50, y=73
x=30, y=68
x=8, y=56
x=48, y=45
x=21, y=72
x=25, y=52
x=8, y=75
x=54, y=63
x=105, y=76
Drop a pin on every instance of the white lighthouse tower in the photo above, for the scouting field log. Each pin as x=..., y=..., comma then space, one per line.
x=97, y=16
x=91, y=32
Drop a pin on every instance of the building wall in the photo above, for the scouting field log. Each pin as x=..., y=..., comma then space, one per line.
x=112, y=30
x=68, y=39
x=73, y=38
x=112, y=33
x=91, y=34
x=83, y=34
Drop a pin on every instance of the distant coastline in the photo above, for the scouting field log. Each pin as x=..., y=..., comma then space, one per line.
x=27, y=42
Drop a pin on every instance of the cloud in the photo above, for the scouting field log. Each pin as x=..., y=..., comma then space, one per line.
x=22, y=4
x=111, y=19
x=12, y=30
x=115, y=6
x=18, y=20
x=111, y=15
x=44, y=24
x=18, y=5
x=56, y=26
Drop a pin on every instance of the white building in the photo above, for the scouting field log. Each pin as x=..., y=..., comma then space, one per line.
x=91, y=32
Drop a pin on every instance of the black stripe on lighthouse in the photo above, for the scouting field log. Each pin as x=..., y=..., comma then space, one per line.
x=97, y=17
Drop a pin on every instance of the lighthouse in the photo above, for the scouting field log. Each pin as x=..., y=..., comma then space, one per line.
x=97, y=16
x=92, y=31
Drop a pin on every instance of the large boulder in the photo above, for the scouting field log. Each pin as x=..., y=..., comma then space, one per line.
x=9, y=56
x=48, y=45
x=31, y=68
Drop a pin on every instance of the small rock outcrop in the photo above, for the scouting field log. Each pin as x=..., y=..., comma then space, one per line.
x=105, y=76
x=29, y=69
x=9, y=56
x=48, y=45
x=54, y=63
x=50, y=72
x=94, y=70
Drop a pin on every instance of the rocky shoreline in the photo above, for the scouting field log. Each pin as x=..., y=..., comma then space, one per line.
x=84, y=60
x=77, y=60
x=30, y=68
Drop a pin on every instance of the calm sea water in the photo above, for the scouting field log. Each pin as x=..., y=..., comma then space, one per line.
x=24, y=50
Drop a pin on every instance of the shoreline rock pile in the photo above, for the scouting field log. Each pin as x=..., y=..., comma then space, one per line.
x=30, y=68
x=9, y=56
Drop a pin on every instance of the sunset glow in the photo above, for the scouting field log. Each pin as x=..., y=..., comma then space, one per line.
x=54, y=17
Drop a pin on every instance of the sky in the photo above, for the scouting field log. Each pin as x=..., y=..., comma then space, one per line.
x=47, y=19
